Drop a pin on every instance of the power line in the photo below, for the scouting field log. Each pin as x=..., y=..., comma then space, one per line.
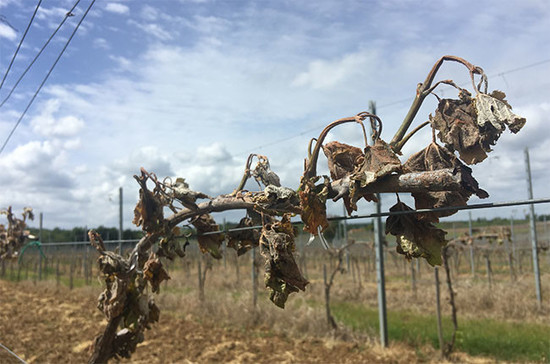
x=47, y=76
x=396, y=102
x=20, y=43
x=67, y=15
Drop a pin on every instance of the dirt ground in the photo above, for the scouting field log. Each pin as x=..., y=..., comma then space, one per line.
x=45, y=324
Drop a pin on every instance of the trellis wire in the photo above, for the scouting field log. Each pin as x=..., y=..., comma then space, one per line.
x=408, y=212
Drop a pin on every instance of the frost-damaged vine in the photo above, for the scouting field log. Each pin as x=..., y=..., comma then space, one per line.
x=437, y=176
x=14, y=236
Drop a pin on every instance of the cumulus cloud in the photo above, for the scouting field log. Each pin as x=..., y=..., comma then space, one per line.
x=117, y=8
x=154, y=30
x=256, y=79
x=323, y=74
x=35, y=165
x=47, y=125
x=149, y=157
x=101, y=43
x=7, y=32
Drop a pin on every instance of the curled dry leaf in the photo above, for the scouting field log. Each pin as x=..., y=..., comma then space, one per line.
x=415, y=238
x=148, y=212
x=211, y=242
x=379, y=161
x=313, y=204
x=170, y=245
x=113, y=299
x=154, y=272
x=432, y=158
x=274, y=198
x=243, y=240
x=263, y=173
x=472, y=125
x=343, y=159
x=282, y=275
x=15, y=236
x=180, y=191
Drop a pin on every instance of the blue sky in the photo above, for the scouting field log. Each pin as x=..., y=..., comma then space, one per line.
x=189, y=88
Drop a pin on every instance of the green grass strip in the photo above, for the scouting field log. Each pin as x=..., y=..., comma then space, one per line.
x=485, y=337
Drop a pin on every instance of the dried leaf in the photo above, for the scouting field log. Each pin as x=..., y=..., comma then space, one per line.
x=415, y=238
x=113, y=300
x=379, y=161
x=148, y=212
x=180, y=190
x=170, y=246
x=312, y=202
x=276, y=198
x=342, y=159
x=263, y=173
x=210, y=242
x=472, y=125
x=154, y=272
x=432, y=158
x=243, y=240
x=494, y=110
x=282, y=275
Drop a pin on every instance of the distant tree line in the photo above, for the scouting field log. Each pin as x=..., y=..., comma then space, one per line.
x=80, y=234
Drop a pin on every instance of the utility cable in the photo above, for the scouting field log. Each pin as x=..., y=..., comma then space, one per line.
x=20, y=43
x=67, y=15
x=47, y=76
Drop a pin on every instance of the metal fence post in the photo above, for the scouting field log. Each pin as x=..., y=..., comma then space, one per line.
x=533, y=229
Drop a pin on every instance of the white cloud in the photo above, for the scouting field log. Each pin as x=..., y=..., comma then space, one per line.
x=101, y=43
x=149, y=13
x=117, y=8
x=154, y=30
x=253, y=80
x=322, y=74
x=122, y=62
x=47, y=125
x=7, y=32
x=214, y=153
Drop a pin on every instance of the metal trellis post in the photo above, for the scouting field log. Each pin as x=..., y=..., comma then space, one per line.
x=533, y=229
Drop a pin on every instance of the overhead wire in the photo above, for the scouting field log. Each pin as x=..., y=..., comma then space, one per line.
x=46, y=78
x=20, y=44
x=67, y=15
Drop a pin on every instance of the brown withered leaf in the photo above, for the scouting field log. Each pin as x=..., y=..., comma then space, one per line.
x=313, y=204
x=432, y=158
x=342, y=158
x=180, y=190
x=415, y=238
x=473, y=125
x=154, y=272
x=208, y=243
x=148, y=212
x=379, y=161
x=276, y=198
x=263, y=173
x=243, y=240
x=170, y=245
x=494, y=109
x=282, y=275
x=113, y=299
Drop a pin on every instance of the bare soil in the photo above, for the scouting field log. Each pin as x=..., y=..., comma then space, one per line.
x=48, y=324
